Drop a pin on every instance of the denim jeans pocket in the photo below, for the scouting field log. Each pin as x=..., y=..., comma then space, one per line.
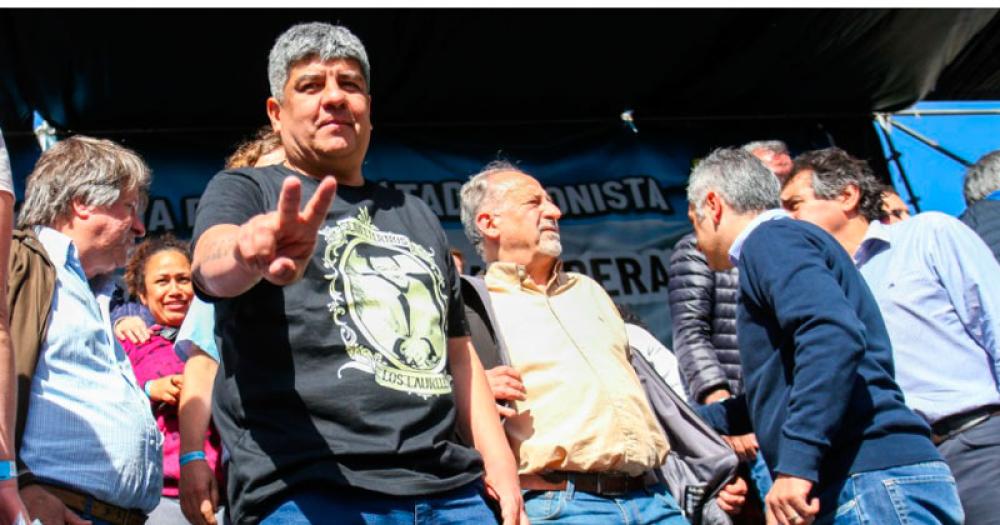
x=924, y=498
x=544, y=505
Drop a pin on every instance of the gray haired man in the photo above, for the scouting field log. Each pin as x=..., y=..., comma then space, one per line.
x=346, y=368
x=982, y=194
x=584, y=434
x=88, y=445
x=774, y=155
x=817, y=363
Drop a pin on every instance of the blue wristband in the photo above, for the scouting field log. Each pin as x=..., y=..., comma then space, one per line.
x=192, y=456
x=146, y=389
x=8, y=470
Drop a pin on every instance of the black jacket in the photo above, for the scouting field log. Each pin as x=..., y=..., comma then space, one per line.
x=984, y=217
x=703, y=310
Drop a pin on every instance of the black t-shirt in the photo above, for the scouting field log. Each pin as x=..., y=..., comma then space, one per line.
x=340, y=379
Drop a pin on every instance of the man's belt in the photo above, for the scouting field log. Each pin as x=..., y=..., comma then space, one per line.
x=948, y=427
x=101, y=510
x=600, y=483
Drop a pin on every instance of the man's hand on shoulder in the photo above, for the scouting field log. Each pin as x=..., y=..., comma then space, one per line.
x=788, y=502
x=48, y=509
x=132, y=328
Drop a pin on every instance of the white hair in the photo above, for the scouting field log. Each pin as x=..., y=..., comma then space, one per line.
x=983, y=177
x=739, y=178
x=474, y=193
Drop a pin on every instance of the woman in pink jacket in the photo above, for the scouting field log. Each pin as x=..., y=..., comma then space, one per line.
x=159, y=275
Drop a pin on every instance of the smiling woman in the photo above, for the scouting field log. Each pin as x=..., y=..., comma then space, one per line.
x=159, y=274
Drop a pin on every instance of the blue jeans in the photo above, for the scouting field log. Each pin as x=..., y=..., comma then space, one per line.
x=653, y=504
x=922, y=493
x=761, y=476
x=458, y=506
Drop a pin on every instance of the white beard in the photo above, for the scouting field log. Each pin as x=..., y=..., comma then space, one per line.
x=550, y=244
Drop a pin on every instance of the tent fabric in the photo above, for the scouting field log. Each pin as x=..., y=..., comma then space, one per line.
x=186, y=69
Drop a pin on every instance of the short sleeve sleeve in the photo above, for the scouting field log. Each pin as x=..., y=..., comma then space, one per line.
x=198, y=329
x=231, y=197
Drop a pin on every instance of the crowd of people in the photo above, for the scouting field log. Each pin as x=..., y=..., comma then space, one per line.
x=315, y=355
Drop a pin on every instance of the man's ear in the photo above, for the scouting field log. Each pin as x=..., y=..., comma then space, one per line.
x=713, y=204
x=273, y=113
x=486, y=223
x=81, y=210
x=849, y=198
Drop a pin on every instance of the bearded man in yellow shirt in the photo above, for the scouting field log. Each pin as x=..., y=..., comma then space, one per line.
x=582, y=431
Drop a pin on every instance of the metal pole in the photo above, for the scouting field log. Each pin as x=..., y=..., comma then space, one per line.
x=946, y=112
x=894, y=155
x=930, y=142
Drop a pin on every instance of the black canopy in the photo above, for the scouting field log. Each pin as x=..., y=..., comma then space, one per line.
x=112, y=71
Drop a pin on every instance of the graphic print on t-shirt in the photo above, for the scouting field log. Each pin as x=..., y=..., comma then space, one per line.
x=388, y=300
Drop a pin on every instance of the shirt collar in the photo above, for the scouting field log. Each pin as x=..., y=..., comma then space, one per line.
x=60, y=248
x=767, y=215
x=62, y=252
x=516, y=274
x=877, y=236
x=995, y=196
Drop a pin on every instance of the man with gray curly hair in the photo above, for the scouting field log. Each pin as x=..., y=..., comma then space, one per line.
x=982, y=195
x=89, y=447
x=936, y=285
x=816, y=360
x=347, y=375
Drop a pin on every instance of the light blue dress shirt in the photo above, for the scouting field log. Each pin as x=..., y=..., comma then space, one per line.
x=938, y=287
x=89, y=424
x=198, y=329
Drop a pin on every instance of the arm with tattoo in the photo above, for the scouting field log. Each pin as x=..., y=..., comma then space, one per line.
x=275, y=246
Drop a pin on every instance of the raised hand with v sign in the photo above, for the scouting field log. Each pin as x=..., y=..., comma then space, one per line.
x=278, y=245
x=275, y=246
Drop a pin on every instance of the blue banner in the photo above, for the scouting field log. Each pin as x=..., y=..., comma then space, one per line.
x=622, y=200
x=621, y=194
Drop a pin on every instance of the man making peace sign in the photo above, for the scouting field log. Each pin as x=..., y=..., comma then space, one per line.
x=346, y=364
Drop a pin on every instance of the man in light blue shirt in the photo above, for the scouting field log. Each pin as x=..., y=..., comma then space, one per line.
x=938, y=288
x=90, y=447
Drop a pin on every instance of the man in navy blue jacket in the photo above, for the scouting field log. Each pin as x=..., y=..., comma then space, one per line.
x=817, y=363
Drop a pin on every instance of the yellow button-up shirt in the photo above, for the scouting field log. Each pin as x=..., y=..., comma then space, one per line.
x=585, y=409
